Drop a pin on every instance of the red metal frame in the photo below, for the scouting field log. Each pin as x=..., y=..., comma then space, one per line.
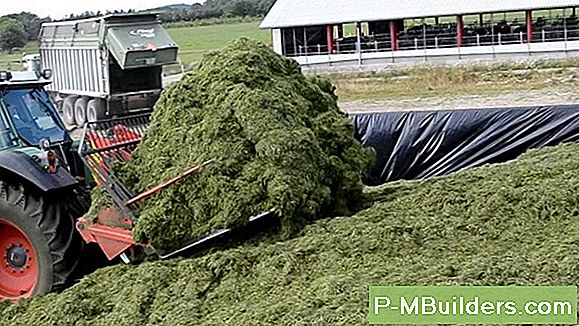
x=459, y=30
x=121, y=136
x=112, y=228
x=330, y=36
x=16, y=282
x=111, y=231
x=394, y=35
x=529, y=15
x=111, y=238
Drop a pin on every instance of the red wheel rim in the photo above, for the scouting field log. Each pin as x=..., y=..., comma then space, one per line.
x=19, y=265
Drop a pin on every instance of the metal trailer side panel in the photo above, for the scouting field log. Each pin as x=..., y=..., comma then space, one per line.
x=97, y=71
x=95, y=83
x=75, y=67
x=50, y=59
x=76, y=71
x=57, y=68
x=88, y=67
x=82, y=71
x=104, y=70
x=85, y=70
x=72, y=68
x=66, y=74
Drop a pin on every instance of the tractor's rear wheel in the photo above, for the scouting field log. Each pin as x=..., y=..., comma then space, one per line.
x=39, y=247
x=19, y=262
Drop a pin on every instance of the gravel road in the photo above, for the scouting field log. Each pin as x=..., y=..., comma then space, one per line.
x=563, y=94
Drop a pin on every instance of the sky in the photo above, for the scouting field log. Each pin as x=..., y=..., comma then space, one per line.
x=60, y=8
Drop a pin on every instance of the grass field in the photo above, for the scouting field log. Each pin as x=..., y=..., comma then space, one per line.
x=198, y=40
x=11, y=61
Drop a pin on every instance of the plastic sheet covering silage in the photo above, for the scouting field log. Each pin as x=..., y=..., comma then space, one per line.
x=424, y=144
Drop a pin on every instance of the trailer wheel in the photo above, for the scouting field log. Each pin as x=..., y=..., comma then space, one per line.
x=95, y=110
x=38, y=242
x=80, y=111
x=68, y=111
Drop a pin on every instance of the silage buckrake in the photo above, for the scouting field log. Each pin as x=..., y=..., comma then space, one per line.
x=105, y=143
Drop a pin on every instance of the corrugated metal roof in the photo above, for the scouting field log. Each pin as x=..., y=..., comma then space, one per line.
x=288, y=13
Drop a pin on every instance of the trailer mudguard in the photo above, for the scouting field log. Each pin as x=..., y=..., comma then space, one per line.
x=24, y=167
x=415, y=145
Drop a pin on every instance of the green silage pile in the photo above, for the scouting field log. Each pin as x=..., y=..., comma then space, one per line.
x=509, y=224
x=277, y=138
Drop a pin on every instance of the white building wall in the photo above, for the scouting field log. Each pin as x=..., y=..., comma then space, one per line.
x=277, y=40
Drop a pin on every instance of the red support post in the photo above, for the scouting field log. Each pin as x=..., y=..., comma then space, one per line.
x=459, y=31
x=529, y=15
x=330, y=35
x=394, y=35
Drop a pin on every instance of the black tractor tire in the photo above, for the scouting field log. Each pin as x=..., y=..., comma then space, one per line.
x=49, y=226
x=96, y=110
x=79, y=201
x=80, y=106
x=68, y=111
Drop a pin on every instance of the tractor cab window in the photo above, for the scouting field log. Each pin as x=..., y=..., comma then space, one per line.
x=33, y=115
x=7, y=138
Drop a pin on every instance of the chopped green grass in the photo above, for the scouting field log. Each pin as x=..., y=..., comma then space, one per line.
x=276, y=137
x=507, y=224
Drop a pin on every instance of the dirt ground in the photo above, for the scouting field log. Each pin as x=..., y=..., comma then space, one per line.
x=560, y=95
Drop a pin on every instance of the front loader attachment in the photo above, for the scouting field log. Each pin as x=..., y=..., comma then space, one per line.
x=107, y=142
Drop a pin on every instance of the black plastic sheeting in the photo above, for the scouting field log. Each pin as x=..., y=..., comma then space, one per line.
x=414, y=145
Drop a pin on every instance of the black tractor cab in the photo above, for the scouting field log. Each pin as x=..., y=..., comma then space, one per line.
x=31, y=130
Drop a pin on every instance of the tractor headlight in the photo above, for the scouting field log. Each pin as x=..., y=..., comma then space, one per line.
x=47, y=73
x=5, y=76
x=44, y=144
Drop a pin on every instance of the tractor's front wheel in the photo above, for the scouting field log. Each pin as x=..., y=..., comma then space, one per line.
x=39, y=247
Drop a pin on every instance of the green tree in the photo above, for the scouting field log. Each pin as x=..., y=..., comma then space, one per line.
x=263, y=6
x=12, y=34
x=242, y=8
x=31, y=23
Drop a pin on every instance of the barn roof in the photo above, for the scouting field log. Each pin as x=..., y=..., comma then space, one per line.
x=288, y=13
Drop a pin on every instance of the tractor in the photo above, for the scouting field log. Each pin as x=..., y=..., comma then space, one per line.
x=42, y=190
x=45, y=179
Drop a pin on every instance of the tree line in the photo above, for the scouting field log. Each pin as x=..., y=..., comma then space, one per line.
x=188, y=13
x=17, y=29
x=218, y=9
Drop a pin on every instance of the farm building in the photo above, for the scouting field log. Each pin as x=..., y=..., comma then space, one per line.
x=333, y=31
